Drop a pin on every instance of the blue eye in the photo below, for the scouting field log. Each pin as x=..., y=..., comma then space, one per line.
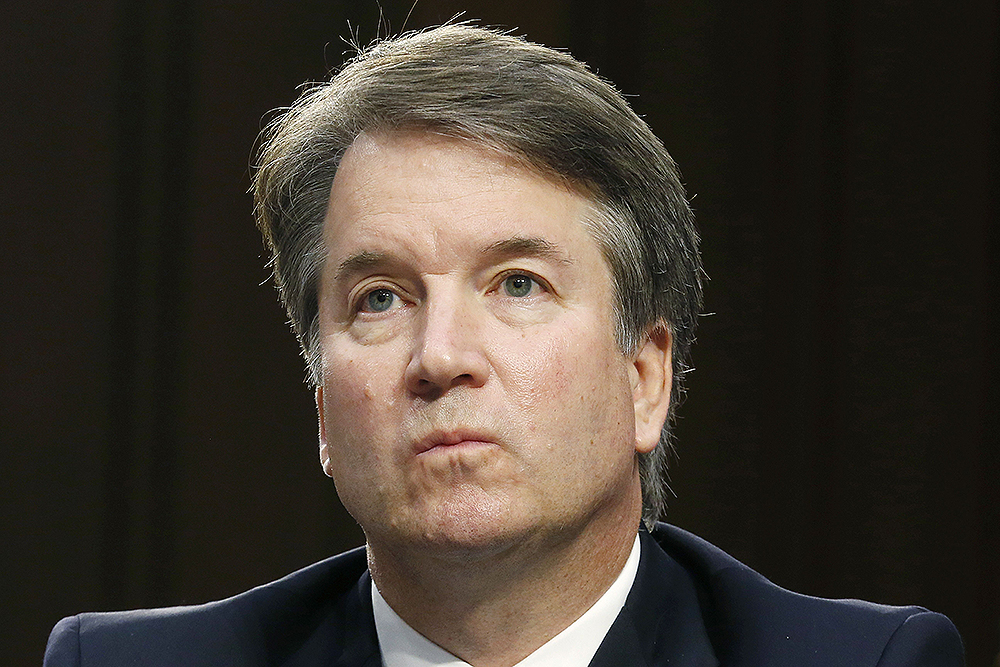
x=518, y=285
x=380, y=300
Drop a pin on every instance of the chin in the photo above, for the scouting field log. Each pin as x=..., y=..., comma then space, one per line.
x=466, y=530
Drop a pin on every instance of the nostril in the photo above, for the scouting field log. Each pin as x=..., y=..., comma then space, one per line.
x=428, y=390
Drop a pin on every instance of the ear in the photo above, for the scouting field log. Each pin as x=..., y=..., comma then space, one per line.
x=324, y=448
x=652, y=375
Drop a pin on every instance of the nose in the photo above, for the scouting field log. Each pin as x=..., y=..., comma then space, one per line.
x=448, y=350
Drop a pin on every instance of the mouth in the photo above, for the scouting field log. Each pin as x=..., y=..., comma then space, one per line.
x=453, y=440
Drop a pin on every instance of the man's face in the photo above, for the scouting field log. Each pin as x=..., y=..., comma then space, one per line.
x=473, y=394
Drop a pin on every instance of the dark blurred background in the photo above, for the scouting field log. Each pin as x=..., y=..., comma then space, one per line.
x=840, y=435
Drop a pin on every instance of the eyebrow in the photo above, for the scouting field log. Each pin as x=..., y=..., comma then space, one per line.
x=518, y=246
x=532, y=246
x=362, y=261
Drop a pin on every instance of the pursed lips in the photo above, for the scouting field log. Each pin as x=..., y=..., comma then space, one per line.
x=457, y=438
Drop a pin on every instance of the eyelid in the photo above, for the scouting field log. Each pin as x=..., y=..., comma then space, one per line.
x=538, y=280
x=356, y=297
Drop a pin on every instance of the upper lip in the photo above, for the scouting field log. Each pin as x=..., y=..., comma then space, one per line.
x=446, y=437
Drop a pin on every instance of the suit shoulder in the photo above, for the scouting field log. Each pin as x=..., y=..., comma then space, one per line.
x=255, y=625
x=63, y=648
x=925, y=638
x=756, y=620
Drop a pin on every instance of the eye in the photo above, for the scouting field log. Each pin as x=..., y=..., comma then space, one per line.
x=518, y=285
x=379, y=301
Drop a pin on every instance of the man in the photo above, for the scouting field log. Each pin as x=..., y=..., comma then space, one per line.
x=493, y=271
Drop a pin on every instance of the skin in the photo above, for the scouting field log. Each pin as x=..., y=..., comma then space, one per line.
x=478, y=417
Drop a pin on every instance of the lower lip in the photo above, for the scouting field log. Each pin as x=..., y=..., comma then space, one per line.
x=457, y=447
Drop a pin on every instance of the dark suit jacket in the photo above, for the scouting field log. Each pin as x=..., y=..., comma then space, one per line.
x=691, y=605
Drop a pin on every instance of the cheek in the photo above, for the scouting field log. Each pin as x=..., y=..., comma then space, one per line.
x=573, y=385
x=537, y=372
x=359, y=394
x=358, y=399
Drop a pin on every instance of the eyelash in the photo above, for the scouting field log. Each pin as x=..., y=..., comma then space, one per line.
x=502, y=278
x=360, y=303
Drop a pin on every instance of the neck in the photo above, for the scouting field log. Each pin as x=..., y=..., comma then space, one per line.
x=493, y=610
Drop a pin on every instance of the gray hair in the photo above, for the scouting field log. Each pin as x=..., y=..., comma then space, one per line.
x=537, y=106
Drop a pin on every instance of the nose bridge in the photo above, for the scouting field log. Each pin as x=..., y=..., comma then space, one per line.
x=448, y=349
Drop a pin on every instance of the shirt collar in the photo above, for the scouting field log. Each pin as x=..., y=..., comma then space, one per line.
x=402, y=646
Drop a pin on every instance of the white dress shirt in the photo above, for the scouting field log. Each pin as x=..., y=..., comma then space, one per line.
x=402, y=646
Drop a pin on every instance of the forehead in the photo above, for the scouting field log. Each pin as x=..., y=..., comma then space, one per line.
x=443, y=196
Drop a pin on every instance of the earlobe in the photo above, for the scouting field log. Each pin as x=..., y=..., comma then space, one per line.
x=652, y=377
x=324, y=448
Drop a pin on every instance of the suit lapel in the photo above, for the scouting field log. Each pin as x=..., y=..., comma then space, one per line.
x=345, y=636
x=661, y=622
x=360, y=641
